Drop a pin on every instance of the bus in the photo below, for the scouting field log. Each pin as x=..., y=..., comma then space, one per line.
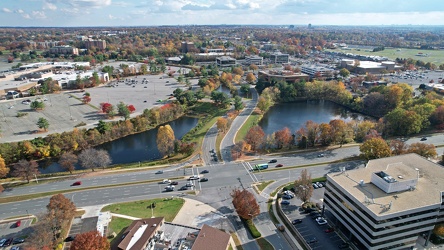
x=260, y=166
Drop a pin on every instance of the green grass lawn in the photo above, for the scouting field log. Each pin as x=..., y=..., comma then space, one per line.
x=167, y=208
x=264, y=244
x=252, y=120
x=434, y=56
x=263, y=185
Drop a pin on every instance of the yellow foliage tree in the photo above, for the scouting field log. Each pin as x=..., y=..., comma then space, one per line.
x=3, y=169
x=165, y=140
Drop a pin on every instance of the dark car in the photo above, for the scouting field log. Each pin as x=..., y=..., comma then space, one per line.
x=77, y=183
x=273, y=161
x=312, y=240
x=285, y=202
x=175, y=183
x=423, y=139
x=159, y=172
x=8, y=242
x=203, y=179
x=18, y=241
x=205, y=171
x=69, y=238
x=297, y=221
x=183, y=188
x=279, y=166
x=343, y=245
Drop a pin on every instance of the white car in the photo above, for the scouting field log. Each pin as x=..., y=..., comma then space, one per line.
x=190, y=184
x=195, y=177
x=166, y=181
x=321, y=221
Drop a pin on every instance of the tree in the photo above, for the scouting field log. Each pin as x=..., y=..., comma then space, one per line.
x=37, y=105
x=165, y=140
x=67, y=161
x=339, y=131
x=3, y=169
x=123, y=110
x=344, y=72
x=250, y=78
x=25, y=169
x=403, y=122
x=41, y=236
x=238, y=104
x=102, y=158
x=303, y=187
x=86, y=99
x=255, y=137
x=375, y=148
x=42, y=123
x=60, y=211
x=222, y=124
x=398, y=147
x=422, y=149
x=90, y=241
x=245, y=204
x=283, y=138
x=131, y=108
x=220, y=99
x=102, y=127
x=87, y=158
x=253, y=67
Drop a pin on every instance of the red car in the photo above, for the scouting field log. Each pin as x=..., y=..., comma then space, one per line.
x=279, y=166
x=77, y=183
x=18, y=223
x=329, y=230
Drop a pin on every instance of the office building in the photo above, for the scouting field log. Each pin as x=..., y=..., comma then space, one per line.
x=387, y=204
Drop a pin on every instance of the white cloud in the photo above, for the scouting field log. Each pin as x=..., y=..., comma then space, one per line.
x=6, y=10
x=49, y=6
x=26, y=16
x=39, y=15
x=20, y=11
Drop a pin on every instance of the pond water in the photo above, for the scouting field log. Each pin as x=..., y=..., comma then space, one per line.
x=294, y=115
x=133, y=148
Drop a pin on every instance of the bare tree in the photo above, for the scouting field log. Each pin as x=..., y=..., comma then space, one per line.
x=103, y=159
x=25, y=169
x=67, y=161
x=303, y=186
x=41, y=236
x=87, y=158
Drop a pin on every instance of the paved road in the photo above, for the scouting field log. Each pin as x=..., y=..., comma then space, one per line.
x=228, y=141
x=209, y=143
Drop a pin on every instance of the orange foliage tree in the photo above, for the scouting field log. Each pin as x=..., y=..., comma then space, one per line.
x=245, y=204
x=255, y=137
x=90, y=241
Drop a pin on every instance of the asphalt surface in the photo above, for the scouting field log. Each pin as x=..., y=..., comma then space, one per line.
x=64, y=112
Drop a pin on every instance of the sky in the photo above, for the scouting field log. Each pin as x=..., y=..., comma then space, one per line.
x=77, y=13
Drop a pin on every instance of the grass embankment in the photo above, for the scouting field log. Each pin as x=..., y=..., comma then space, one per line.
x=252, y=228
x=262, y=185
x=167, y=208
x=264, y=244
x=252, y=120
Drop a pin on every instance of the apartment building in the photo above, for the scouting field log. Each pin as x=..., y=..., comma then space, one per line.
x=99, y=44
x=389, y=203
x=64, y=50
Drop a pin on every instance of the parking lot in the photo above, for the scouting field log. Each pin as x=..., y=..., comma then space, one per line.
x=11, y=230
x=64, y=112
x=314, y=234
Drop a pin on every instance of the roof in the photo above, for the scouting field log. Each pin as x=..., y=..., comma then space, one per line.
x=139, y=233
x=210, y=236
x=425, y=190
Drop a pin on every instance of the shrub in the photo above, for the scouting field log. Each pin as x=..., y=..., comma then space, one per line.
x=21, y=114
x=252, y=228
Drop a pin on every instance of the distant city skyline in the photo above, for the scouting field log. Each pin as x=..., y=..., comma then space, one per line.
x=75, y=13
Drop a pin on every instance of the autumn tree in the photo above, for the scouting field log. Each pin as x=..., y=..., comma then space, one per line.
x=86, y=99
x=60, y=211
x=41, y=236
x=67, y=161
x=422, y=149
x=303, y=187
x=25, y=169
x=324, y=134
x=255, y=137
x=250, y=78
x=90, y=241
x=222, y=124
x=398, y=147
x=42, y=123
x=283, y=138
x=344, y=72
x=375, y=148
x=339, y=131
x=165, y=140
x=245, y=204
x=253, y=67
x=439, y=230
x=3, y=169
x=403, y=122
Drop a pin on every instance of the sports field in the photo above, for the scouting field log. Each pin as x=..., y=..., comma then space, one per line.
x=433, y=56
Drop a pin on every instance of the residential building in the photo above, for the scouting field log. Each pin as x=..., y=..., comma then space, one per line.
x=313, y=70
x=257, y=60
x=285, y=75
x=210, y=236
x=387, y=204
x=64, y=50
x=142, y=234
x=99, y=44
x=225, y=61
x=278, y=57
x=188, y=47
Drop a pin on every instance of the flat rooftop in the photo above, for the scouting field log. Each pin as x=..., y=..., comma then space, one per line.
x=403, y=167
